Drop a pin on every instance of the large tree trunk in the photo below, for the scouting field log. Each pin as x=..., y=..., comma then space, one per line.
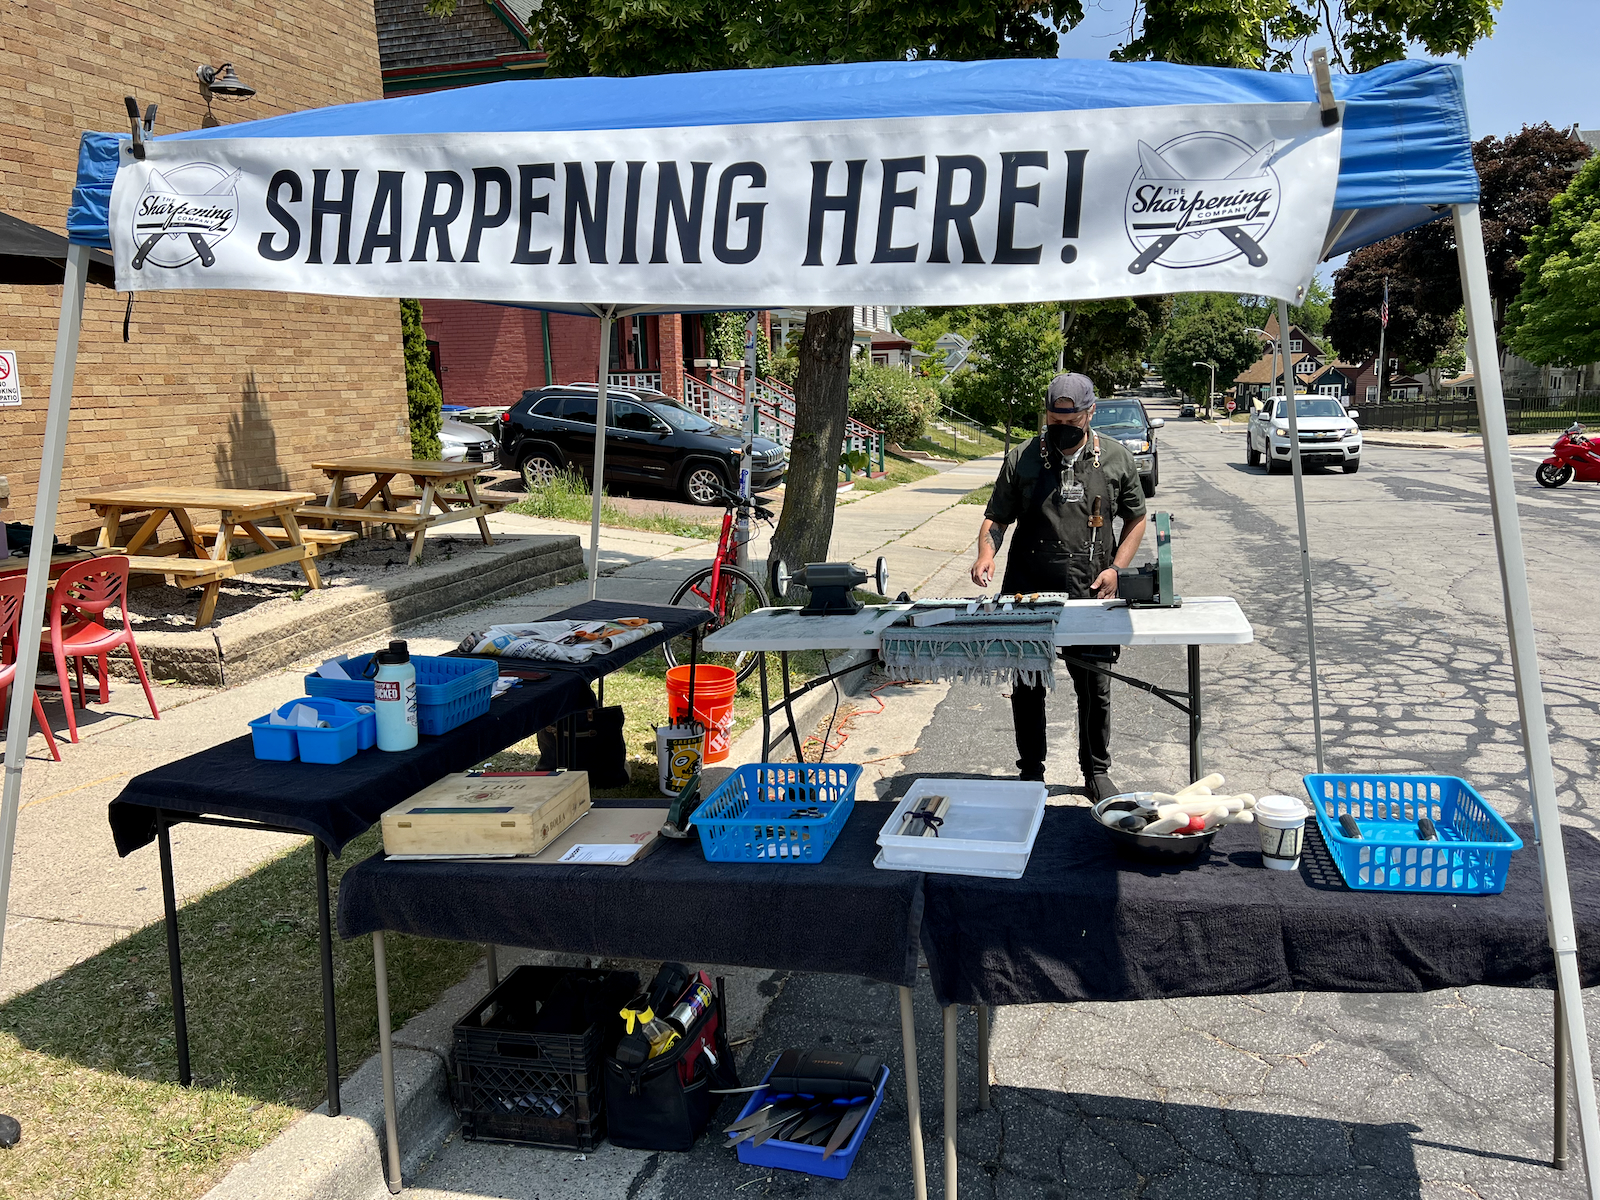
x=821, y=405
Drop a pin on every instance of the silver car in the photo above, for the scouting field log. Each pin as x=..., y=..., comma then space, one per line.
x=465, y=443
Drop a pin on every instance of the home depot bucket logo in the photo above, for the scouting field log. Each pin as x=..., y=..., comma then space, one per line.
x=1199, y=200
x=183, y=213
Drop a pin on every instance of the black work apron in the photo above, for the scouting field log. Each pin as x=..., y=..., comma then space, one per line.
x=1055, y=548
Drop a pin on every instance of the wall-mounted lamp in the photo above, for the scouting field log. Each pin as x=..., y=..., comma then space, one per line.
x=221, y=81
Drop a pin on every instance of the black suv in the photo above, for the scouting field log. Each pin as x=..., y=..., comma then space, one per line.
x=650, y=438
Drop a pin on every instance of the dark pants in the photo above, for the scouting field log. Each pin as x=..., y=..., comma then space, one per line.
x=1094, y=723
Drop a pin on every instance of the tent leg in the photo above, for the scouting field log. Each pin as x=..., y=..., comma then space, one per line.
x=44, y=524
x=599, y=450
x=1300, y=517
x=1525, y=673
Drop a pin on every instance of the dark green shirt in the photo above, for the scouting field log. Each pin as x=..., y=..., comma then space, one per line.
x=1014, y=488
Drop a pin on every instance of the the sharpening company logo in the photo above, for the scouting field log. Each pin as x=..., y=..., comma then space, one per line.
x=183, y=213
x=1201, y=199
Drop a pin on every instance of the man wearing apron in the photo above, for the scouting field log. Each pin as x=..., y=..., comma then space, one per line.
x=1062, y=490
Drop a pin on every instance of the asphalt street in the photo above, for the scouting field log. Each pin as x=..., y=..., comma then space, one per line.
x=1387, y=1097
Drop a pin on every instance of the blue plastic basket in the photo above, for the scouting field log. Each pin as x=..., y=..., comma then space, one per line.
x=751, y=816
x=1471, y=857
x=450, y=691
x=792, y=1156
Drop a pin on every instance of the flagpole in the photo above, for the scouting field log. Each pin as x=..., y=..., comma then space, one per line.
x=1383, y=329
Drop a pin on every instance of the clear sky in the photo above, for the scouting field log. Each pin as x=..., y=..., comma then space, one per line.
x=1539, y=65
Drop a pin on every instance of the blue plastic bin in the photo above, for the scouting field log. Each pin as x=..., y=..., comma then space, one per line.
x=752, y=816
x=791, y=1156
x=1471, y=857
x=341, y=740
x=275, y=743
x=450, y=691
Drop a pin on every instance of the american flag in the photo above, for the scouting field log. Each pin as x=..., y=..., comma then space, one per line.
x=1383, y=313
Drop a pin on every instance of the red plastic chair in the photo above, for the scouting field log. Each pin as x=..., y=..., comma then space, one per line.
x=11, y=589
x=78, y=630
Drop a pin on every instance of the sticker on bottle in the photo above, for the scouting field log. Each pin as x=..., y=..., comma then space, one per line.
x=385, y=689
x=411, y=704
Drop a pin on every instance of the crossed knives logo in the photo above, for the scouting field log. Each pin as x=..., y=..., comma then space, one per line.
x=1201, y=199
x=183, y=213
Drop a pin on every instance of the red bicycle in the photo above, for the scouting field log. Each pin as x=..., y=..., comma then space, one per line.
x=724, y=588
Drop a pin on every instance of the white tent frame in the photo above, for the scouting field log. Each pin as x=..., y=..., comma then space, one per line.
x=1571, y=1033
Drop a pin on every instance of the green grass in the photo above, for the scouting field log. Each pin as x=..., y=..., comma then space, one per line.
x=978, y=495
x=936, y=443
x=897, y=470
x=567, y=498
x=88, y=1063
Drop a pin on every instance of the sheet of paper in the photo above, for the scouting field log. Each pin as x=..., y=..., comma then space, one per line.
x=333, y=668
x=602, y=853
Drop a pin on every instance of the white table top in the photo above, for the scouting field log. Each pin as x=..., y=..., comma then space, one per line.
x=1201, y=621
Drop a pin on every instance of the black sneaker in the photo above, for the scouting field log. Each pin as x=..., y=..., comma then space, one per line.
x=1101, y=787
x=1031, y=774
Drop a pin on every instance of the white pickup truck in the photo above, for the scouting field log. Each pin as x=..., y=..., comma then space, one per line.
x=1328, y=435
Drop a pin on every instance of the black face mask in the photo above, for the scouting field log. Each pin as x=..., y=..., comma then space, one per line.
x=1063, y=439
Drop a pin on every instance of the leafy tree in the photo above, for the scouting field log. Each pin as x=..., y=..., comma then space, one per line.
x=423, y=395
x=1271, y=34
x=725, y=340
x=1417, y=331
x=1518, y=176
x=1206, y=328
x=1017, y=348
x=1311, y=314
x=1556, y=317
x=1107, y=340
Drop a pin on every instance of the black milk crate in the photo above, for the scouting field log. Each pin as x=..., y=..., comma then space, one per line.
x=526, y=1063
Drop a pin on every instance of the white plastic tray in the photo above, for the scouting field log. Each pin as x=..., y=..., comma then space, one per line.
x=989, y=830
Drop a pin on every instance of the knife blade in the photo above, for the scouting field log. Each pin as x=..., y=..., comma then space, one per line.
x=772, y=1130
x=812, y=1125
x=847, y=1126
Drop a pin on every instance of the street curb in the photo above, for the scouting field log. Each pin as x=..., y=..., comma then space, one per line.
x=222, y=657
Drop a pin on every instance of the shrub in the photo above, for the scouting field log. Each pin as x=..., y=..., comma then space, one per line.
x=889, y=399
x=785, y=370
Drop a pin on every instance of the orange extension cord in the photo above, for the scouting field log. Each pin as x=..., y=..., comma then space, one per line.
x=812, y=740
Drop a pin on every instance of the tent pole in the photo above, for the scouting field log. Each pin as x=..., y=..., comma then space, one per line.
x=1525, y=673
x=1290, y=405
x=606, y=318
x=44, y=524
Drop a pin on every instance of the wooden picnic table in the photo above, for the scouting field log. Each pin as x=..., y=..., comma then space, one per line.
x=383, y=504
x=189, y=558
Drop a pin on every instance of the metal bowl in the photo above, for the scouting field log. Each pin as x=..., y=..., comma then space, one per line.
x=1153, y=847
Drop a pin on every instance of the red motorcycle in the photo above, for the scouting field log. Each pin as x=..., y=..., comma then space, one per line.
x=1572, y=457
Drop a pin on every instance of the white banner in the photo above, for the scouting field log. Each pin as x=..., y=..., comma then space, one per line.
x=916, y=210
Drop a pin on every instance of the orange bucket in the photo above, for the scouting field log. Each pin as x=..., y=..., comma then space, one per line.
x=713, y=704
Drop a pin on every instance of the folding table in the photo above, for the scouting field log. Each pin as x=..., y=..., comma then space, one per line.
x=672, y=904
x=1199, y=621
x=228, y=786
x=1084, y=923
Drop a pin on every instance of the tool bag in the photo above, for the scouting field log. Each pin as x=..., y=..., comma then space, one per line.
x=667, y=1102
x=597, y=746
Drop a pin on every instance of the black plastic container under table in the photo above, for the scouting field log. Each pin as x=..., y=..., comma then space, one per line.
x=526, y=1061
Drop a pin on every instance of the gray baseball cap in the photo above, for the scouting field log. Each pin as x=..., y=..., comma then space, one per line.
x=1070, y=393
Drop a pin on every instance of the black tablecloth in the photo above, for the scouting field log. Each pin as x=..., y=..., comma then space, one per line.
x=1085, y=923
x=675, y=623
x=339, y=802
x=840, y=916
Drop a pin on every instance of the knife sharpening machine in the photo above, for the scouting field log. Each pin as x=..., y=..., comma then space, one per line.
x=831, y=585
x=1150, y=585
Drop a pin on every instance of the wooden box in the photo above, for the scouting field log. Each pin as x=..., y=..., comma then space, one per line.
x=487, y=814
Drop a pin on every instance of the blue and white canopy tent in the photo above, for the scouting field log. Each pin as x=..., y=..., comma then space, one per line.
x=877, y=183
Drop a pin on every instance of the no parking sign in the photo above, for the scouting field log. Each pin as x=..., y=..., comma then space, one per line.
x=10, y=385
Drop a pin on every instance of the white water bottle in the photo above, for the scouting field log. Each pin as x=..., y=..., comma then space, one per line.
x=394, y=693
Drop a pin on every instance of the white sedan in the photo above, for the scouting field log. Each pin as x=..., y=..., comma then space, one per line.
x=460, y=442
x=1328, y=435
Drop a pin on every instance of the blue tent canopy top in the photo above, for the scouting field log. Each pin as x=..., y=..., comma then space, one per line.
x=1406, y=149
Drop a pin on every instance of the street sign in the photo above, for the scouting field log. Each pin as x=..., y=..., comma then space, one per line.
x=1230, y=405
x=10, y=381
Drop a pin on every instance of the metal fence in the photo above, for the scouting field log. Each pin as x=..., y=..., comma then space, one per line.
x=1526, y=412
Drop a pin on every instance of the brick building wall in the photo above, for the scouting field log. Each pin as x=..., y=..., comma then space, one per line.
x=235, y=388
